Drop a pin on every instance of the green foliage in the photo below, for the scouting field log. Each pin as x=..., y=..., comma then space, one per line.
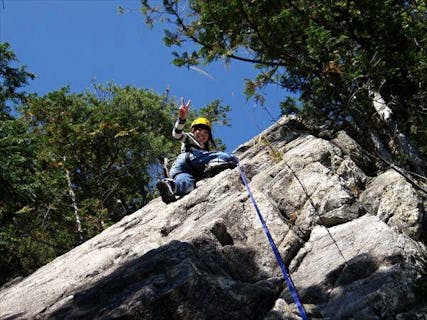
x=11, y=78
x=274, y=153
x=23, y=187
x=330, y=53
x=110, y=139
x=104, y=146
x=289, y=106
x=216, y=113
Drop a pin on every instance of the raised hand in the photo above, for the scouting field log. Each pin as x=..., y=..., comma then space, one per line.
x=183, y=109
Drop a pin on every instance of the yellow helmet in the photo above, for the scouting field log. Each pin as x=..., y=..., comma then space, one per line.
x=202, y=122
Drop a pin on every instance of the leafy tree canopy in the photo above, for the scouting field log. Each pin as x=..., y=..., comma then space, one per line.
x=74, y=163
x=11, y=78
x=333, y=54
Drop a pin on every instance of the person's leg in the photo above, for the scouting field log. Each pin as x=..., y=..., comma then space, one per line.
x=180, y=165
x=202, y=159
x=166, y=189
x=180, y=172
x=226, y=157
x=180, y=183
x=184, y=183
x=212, y=163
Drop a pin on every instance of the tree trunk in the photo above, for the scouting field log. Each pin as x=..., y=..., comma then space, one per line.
x=403, y=141
x=74, y=203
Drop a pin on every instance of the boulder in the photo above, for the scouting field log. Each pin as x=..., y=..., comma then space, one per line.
x=352, y=242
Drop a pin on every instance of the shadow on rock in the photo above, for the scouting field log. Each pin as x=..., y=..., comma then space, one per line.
x=364, y=287
x=176, y=281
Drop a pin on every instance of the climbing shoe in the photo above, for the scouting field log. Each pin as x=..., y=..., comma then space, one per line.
x=166, y=188
x=216, y=166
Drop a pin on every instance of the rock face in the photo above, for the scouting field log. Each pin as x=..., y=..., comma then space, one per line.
x=353, y=241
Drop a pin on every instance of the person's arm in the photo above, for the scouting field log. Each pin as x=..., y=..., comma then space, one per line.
x=178, y=129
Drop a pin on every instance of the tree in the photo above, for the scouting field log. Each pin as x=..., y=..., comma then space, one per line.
x=348, y=60
x=11, y=79
x=18, y=187
x=74, y=163
x=217, y=114
x=107, y=147
x=25, y=188
x=13, y=141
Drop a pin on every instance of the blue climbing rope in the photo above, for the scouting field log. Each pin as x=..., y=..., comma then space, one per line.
x=283, y=268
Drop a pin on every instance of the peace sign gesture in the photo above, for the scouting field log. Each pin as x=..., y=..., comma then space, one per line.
x=183, y=109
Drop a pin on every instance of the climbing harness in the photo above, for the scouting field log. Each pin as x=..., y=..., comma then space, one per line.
x=276, y=252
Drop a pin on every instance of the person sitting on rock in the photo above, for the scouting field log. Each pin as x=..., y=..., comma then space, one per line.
x=196, y=161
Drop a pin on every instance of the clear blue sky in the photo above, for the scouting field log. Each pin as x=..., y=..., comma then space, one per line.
x=73, y=42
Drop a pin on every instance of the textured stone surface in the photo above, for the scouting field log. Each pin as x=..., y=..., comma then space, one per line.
x=351, y=241
x=394, y=201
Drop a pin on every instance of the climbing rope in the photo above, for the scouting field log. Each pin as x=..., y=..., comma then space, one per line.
x=273, y=246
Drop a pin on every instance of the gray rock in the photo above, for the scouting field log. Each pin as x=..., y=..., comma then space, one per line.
x=394, y=200
x=359, y=268
x=352, y=244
